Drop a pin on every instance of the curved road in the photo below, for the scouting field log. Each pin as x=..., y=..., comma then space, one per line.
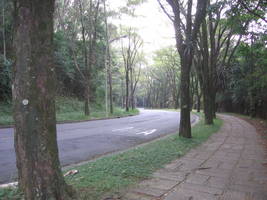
x=86, y=140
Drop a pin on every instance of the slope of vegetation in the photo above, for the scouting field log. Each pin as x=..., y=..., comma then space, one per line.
x=69, y=109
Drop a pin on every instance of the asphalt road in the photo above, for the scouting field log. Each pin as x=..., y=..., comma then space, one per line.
x=86, y=140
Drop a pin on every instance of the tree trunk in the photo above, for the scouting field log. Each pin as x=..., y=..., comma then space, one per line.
x=207, y=73
x=198, y=96
x=107, y=55
x=198, y=103
x=184, y=44
x=132, y=89
x=87, y=100
x=110, y=87
x=39, y=172
x=208, y=107
x=185, y=125
x=86, y=66
x=127, y=90
x=3, y=31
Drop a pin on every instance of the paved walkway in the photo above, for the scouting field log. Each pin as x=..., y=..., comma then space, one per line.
x=231, y=165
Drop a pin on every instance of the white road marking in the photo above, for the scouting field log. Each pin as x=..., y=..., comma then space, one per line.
x=148, y=132
x=122, y=129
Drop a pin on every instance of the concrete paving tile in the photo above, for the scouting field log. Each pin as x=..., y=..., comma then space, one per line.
x=174, y=166
x=162, y=184
x=217, y=182
x=174, y=176
x=236, y=195
x=155, y=192
x=135, y=196
x=197, y=179
x=201, y=188
x=224, y=173
x=190, y=195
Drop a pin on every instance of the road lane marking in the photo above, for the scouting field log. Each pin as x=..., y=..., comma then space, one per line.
x=122, y=129
x=148, y=132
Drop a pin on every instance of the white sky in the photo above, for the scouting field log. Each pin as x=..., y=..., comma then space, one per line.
x=153, y=25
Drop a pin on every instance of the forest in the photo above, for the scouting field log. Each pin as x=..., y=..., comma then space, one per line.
x=72, y=58
x=96, y=76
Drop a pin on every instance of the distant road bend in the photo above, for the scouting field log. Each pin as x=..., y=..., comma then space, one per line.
x=86, y=140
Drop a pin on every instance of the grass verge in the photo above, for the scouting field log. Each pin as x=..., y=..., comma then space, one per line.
x=111, y=174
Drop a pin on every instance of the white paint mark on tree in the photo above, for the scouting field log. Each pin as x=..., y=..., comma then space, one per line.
x=25, y=102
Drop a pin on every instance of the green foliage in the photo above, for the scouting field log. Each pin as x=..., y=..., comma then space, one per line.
x=6, y=65
x=68, y=109
x=162, y=79
x=247, y=79
x=5, y=79
x=6, y=113
x=10, y=194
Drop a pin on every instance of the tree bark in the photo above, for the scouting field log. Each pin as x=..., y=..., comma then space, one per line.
x=110, y=84
x=127, y=90
x=3, y=31
x=86, y=66
x=108, y=56
x=132, y=88
x=185, y=124
x=185, y=41
x=39, y=172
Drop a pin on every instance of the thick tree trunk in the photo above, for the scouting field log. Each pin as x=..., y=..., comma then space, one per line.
x=39, y=172
x=185, y=125
x=184, y=44
x=207, y=93
x=207, y=73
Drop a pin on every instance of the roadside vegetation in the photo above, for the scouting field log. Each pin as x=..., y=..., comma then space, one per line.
x=69, y=109
x=216, y=61
x=110, y=175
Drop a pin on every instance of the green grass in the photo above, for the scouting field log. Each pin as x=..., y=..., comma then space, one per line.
x=10, y=194
x=111, y=174
x=6, y=114
x=68, y=109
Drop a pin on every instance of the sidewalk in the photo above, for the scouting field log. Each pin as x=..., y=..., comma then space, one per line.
x=231, y=165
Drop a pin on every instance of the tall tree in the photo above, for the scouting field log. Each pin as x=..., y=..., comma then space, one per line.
x=39, y=172
x=129, y=54
x=89, y=55
x=186, y=32
x=3, y=30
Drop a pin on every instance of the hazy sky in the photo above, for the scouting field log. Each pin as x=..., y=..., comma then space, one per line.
x=153, y=25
